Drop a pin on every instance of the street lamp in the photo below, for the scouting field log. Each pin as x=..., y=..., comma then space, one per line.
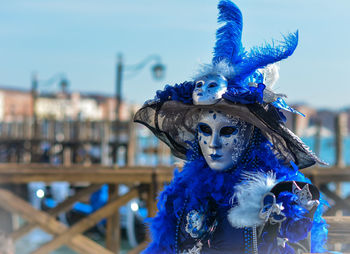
x=158, y=73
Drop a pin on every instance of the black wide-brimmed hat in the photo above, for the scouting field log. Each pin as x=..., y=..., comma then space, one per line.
x=175, y=123
x=173, y=115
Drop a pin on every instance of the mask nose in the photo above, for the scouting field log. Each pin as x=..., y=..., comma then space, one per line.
x=215, y=141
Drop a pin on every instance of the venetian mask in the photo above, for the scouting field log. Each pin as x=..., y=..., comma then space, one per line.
x=209, y=89
x=222, y=139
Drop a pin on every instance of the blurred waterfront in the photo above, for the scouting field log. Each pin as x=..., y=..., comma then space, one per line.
x=145, y=140
x=85, y=142
x=67, y=101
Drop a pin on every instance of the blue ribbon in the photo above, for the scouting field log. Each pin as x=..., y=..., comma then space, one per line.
x=281, y=104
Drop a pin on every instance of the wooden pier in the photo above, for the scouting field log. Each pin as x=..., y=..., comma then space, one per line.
x=143, y=182
x=22, y=139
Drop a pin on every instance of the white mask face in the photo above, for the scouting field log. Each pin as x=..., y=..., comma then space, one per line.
x=209, y=89
x=222, y=139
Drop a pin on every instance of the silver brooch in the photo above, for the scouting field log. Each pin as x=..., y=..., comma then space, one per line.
x=195, y=250
x=304, y=196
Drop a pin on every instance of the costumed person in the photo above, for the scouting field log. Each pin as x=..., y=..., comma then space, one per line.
x=240, y=190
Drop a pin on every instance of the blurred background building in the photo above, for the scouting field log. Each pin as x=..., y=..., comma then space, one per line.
x=17, y=104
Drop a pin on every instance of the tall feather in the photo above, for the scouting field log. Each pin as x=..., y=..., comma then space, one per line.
x=259, y=57
x=228, y=37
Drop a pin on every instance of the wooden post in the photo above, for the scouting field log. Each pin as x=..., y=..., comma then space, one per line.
x=132, y=142
x=105, y=137
x=50, y=130
x=340, y=130
x=5, y=221
x=152, y=196
x=16, y=129
x=113, y=232
x=67, y=156
x=66, y=130
x=94, y=128
x=160, y=153
x=87, y=128
x=23, y=128
x=26, y=153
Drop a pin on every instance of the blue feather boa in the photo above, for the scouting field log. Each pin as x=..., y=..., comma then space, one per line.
x=196, y=183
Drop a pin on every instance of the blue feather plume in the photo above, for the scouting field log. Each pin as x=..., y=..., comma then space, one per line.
x=228, y=45
x=259, y=57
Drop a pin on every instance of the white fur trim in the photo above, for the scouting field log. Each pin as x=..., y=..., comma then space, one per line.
x=249, y=195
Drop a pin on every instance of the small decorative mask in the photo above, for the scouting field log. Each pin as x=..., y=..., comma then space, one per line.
x=304, y=196
x=209, y=89
x=222, y=139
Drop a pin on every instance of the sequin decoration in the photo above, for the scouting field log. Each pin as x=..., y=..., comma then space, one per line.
x=248, y=240
x=195, y=225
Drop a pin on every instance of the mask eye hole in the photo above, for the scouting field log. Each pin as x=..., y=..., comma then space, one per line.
x=212, y=84
x=228, y=131
x=205, y=129
x=199, y=84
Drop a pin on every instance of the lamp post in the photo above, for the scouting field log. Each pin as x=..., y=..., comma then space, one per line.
x=158, y=71
x=34, y=99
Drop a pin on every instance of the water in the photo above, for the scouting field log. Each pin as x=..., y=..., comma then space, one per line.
x=146, y=141
x=327, y=151
x=327, y=154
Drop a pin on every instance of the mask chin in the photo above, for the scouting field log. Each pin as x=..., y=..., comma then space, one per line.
x=222, y=139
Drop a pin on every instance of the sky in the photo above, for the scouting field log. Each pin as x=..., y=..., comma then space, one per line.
x=82, y=38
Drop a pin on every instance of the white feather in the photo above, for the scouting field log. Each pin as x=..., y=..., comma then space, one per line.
x=271, y=74
x=222, y=68
x=249, y=196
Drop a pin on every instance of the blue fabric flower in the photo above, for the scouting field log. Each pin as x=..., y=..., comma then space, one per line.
x=179, y=92
x=296, y=230
x=297, y=225
x=245, y=95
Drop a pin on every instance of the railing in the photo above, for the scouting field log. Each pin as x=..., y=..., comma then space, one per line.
x=142, y=181
x=60, y=131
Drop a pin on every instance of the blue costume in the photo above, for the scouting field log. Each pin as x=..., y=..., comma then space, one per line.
x=240, y=190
